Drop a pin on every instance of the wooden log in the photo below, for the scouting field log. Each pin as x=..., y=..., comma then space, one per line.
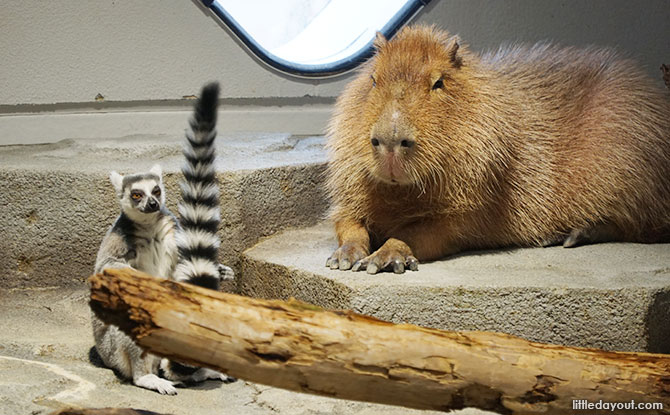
x=300, y=347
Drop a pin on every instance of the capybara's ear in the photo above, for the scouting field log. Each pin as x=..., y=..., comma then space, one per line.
x=666, y=74
x=379, y=41
x=452, y=52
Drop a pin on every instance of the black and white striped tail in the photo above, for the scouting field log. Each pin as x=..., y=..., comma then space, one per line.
x=197, y=240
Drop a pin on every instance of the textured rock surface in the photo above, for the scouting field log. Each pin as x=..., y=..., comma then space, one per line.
x=610, y=296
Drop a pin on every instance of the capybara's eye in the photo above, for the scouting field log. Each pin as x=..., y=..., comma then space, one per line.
x=438, y=84
x=374, y=81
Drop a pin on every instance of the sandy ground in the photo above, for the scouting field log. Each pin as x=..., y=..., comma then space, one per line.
x=47, y=363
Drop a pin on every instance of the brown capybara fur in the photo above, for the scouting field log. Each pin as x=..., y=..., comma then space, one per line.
x=435, y=149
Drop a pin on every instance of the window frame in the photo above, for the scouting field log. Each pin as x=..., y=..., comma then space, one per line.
x=341, y=66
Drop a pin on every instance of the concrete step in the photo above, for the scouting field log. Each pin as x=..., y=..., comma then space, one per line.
x=57, y=202
x=613, y=296
x=46, y=364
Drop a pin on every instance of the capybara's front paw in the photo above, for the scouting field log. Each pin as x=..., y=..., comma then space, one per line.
x=391, y=256
x=345, y=256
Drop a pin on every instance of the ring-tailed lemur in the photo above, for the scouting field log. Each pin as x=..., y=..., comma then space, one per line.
x=147, y=237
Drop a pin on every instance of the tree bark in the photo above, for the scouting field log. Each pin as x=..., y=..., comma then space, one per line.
x=301, y=347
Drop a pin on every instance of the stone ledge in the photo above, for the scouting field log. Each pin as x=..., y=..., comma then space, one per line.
x=50, y=123
x=610, y=296
x=57, y=201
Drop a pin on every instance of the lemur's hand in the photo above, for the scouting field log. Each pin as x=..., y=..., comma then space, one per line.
x=226, y=273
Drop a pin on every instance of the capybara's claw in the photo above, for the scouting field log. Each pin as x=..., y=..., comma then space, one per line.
x=345, y=256
x=412, y=263
x=398, y=266
x=369, y=264
x=332, y=263
x=345, y=264
x=386, y=260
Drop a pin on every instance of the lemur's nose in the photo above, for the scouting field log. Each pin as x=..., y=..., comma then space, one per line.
x=152, y=205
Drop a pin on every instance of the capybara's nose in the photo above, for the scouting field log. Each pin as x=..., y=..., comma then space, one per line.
x=393, y=144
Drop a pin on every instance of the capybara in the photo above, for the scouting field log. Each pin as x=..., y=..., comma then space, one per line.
x=434, y=149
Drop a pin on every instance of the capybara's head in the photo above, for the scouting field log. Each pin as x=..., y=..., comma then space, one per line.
x=410, y=89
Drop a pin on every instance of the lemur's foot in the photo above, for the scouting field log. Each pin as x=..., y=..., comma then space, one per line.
x=203, y=374
x=186, y=374
x=153, y=382
x=226, y=273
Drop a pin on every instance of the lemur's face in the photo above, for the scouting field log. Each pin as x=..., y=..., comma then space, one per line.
x=141, y=195
x=144, y=195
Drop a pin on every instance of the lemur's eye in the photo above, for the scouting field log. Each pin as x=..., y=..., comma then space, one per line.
x=374, y=81
x=136, y=195
x=157, y=191
x=438, y=84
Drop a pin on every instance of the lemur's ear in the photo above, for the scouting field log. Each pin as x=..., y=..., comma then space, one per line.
x=157, y=170
x=117, y=181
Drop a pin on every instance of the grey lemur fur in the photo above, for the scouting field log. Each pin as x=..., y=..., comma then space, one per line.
x=146, y=236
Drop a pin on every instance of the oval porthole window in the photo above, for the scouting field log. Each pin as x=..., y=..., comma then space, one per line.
x=313, y=38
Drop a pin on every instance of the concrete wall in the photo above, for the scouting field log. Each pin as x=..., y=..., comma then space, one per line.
x=70, y=51
x=58, y=56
